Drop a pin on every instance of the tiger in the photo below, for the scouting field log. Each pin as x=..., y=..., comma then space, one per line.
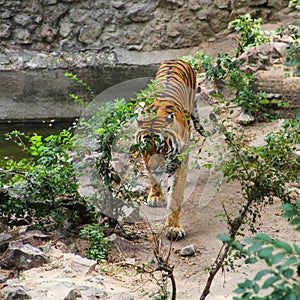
x=163, y=136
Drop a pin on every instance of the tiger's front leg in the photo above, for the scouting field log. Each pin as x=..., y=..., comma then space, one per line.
x=176, y=188
x=156, y=197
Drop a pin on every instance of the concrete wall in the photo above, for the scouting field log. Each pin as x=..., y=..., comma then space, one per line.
x=142, y=25
x=104, y=42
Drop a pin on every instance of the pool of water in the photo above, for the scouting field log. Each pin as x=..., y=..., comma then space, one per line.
x=11, y=149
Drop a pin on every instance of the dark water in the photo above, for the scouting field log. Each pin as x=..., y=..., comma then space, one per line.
x=44, y=128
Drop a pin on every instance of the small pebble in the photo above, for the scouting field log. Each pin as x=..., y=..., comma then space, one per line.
x=188, y=250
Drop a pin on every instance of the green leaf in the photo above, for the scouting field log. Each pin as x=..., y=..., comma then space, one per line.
x=297, y=249
x=264, y=101
x=288, y=273
x=256, y=246
x=283, y=245
x=265, y=252
x=287, y=206
x=277, y=258
x=295, y=221
x=270, y=281
x=247, y=284
x=263, y=237
x=288, y=262
x=224, y=238
x=239, y=290
x=250, y=260
x=256, y=288
x=289, y=214
x=262, y=273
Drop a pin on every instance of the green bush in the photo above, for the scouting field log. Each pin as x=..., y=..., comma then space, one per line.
x=42, y=185
x=280, y=279
x=250, y=33
x=296, y=3
x=227, y=70
x=99, y=245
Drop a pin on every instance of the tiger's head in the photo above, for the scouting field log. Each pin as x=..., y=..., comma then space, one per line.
x=160, y=144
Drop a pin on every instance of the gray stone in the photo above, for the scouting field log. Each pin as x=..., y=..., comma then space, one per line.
x=118, y=4
x=40, y=60
x=83, y=265
x=23, y=19
x=14, y=293
x=245, y=119
x=2, y=278
x=38, y=19
x=141, y=13
x=66, y=29
x=6, y=14
x=46, y=33
x=78, y=15
x=5, y=238
x=177, y=3
x=5, y=31
x=194, y=5
x=22, y=256
x=188, y=250
x=73, y=295
x=90, y=33
x=223, y=4
x=96, y=279
x=50, y=2
x=23, y=36
x=199, y=20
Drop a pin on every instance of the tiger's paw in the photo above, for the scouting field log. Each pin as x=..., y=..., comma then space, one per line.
x=175, y=233
x=156, y=201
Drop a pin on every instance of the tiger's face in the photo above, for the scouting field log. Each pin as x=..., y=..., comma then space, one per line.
x=160, y=145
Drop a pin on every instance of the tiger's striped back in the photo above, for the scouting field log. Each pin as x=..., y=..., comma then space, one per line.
x=178, y=81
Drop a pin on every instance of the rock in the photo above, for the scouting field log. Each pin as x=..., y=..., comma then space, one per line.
x=194, y=5
x=96, y=279
x=22, y=256
x=245, y=119
x=33, y=237
x=73, y=295
x=71, y=287
x=141, y=13
x=46, y=33
x=118, y=4
x=66, y=29
x=38, y=61
x=2, y=278
x=83, y=265
x=90, y=33
x=14, y=293
x=5, y=31
x=22, y=19
x=222, y=4
x=5, y=238
x=72, y=19
x=188, y=250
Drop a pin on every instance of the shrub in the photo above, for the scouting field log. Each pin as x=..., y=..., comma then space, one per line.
x=251, y=35
x=280, y=279
x=99, y=246
x=43, y=184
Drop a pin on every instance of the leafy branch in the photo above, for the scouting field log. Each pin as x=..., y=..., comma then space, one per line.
x=263, y=173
